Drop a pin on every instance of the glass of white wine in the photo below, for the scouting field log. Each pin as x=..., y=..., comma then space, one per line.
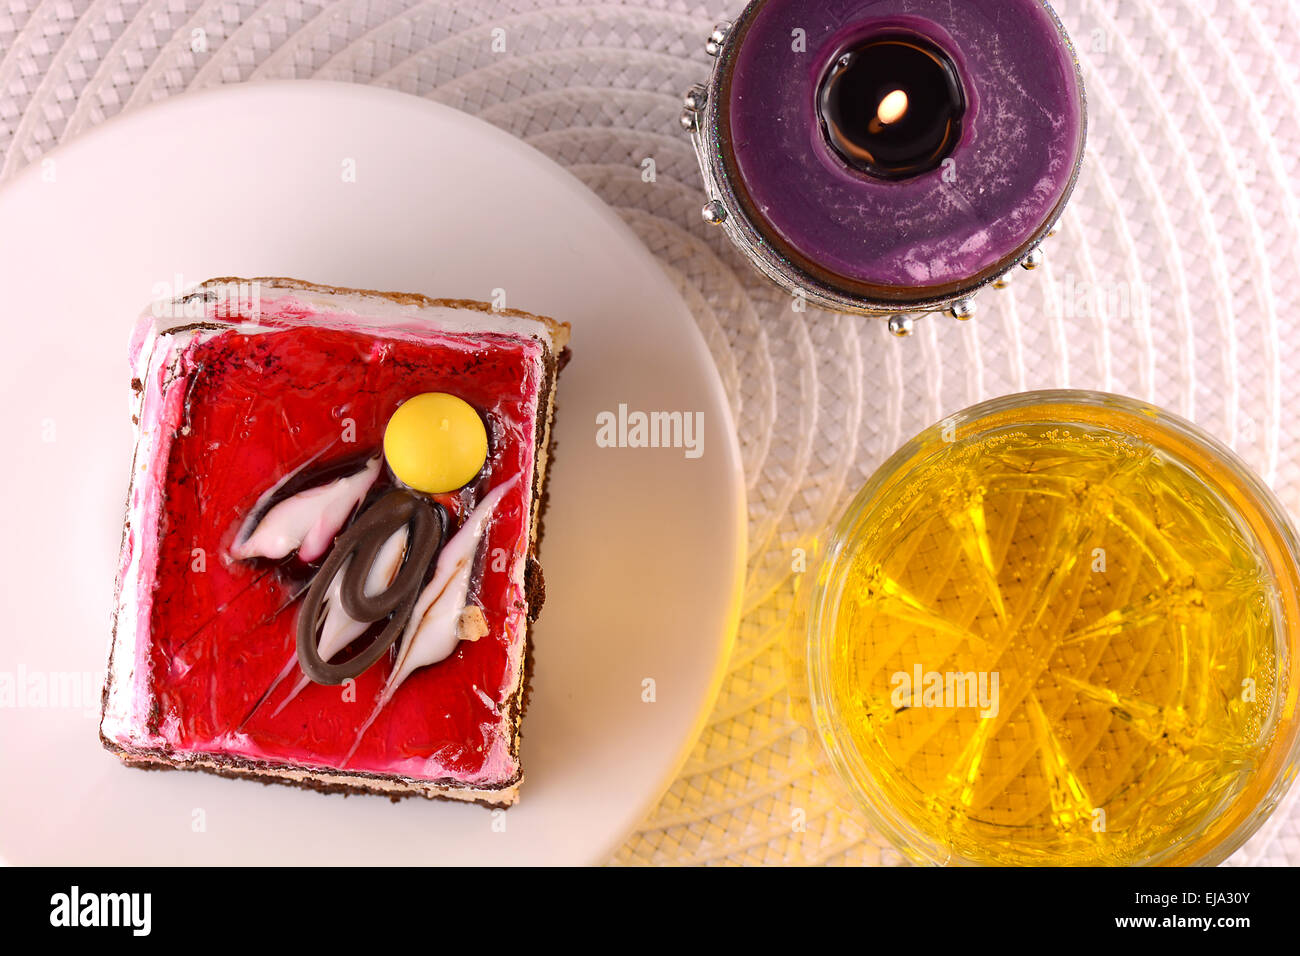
x=1060, y=628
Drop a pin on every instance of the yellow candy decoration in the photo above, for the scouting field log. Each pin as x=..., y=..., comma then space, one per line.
x=435, y=442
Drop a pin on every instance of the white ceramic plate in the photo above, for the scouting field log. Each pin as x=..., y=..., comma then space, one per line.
x=643, y=549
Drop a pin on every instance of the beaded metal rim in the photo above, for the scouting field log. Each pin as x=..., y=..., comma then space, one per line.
x=701, y=118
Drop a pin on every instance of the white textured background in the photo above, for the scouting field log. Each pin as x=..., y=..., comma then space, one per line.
x=1190, y=187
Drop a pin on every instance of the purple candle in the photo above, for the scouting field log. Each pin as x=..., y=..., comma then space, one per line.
x=894, y=153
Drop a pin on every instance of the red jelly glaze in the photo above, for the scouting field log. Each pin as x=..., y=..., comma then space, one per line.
x=259, y=406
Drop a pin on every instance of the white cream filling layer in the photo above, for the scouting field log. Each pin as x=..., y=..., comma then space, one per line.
x=354, y=309
x=504, y=797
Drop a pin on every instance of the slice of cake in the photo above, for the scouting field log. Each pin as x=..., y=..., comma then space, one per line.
x=328, y=569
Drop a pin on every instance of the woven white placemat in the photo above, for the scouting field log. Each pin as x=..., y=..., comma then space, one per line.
x=1189, y=193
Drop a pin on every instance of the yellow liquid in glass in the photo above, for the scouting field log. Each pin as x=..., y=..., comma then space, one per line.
x=1054, y=645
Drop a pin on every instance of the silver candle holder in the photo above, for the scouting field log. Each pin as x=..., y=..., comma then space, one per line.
x=703, y=118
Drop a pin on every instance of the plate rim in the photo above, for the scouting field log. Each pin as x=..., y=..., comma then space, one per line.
x=119, y=126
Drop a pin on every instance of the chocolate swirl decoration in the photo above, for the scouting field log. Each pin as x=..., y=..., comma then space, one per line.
x=362, y=543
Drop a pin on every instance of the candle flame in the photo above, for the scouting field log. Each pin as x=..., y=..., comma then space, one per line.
x=892, y=108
